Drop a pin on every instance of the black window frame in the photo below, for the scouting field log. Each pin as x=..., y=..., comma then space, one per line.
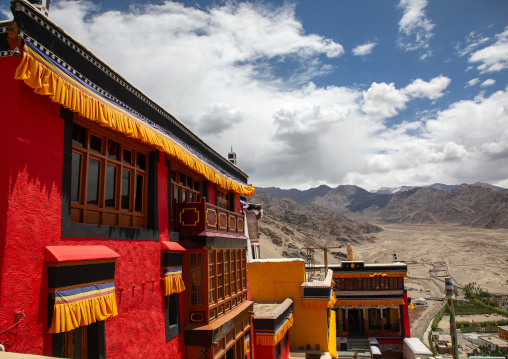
x=172, y=316
x=96, y=341
x=82, y=230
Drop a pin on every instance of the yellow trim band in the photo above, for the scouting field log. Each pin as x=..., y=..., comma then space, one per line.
x=47, y=79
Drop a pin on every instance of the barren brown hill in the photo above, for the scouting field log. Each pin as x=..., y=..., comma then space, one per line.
x=471, y=205
x=291, y=226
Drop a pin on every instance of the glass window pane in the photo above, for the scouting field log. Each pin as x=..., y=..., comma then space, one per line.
x=95, y=144
x=75, y=176
x=182, y=179
x=110, y=186
x=138, y=195
x=113, y=150
x=197, y=186
x=127, y=156
x=78, y=135
x=141, y=161
x=126, y=189
x=173, y=176
x=184, y=196
x=94, y=170
x=177, y=194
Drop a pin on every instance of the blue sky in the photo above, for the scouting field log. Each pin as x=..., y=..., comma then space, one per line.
x=370, y=93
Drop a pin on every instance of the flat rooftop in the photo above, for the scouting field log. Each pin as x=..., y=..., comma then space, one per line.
x=271, y=310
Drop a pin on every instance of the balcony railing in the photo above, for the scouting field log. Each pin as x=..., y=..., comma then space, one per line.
x=204, y=219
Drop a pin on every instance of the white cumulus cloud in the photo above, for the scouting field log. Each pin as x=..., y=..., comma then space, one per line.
x=431, y=90
x=488, y=82
x=415, y=29
x=383, y=100
x=365, y=49
x=472, y=82
x=493, y=58
x=212, y=69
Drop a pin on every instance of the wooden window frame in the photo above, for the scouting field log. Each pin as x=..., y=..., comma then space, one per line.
x=93, y=341
x=223, y=199
x=187, y=187
x=186, y=183
x=219, y=299
x=369, y=284
x=100, y=214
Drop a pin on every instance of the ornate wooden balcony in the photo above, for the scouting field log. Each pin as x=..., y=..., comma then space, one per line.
x=204, y=219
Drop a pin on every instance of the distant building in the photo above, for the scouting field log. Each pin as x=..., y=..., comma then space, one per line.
x=310, y=324
x=492, y=342
x=352, y=307
x=503, y=332
x=442, y=342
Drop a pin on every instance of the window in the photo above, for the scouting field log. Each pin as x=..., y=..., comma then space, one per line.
x=81, y=343
x=109, y=178
x=223, y=199
x=376, y=283
x=386, y=318
x=226, y=279
x=374, y=318
x=197, y=294
x=172, y=314
x=185, y=188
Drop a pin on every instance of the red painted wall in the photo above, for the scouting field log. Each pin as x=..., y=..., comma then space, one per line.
x=407, y=329
x=211, y=193
x=31, y=204
x=285, y=351
x=238, y=205
x=268, y=352
x=264, y=351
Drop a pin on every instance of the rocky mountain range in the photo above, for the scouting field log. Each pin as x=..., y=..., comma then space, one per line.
x=475, y=205
x=292, y=227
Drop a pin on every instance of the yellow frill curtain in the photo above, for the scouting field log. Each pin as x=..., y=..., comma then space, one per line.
x=46, y=79
x=273, y=339
x=246, y=345
x=320, y=303
x=173, y=284
x=69, y=316
x=377, y=275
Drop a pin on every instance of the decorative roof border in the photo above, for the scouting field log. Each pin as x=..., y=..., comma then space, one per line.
x=33, y=22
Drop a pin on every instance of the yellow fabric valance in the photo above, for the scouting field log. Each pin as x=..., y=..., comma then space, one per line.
x=173, y=282
x=332, y=339
x=246, y=344
x=378, y=275
x=320, y=303
x=47, y=78
x=369, y=275
x=83, y=306
x=263, y=338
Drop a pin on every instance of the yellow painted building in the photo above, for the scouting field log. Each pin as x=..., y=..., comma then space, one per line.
x=279, y=279
x=503, y=332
